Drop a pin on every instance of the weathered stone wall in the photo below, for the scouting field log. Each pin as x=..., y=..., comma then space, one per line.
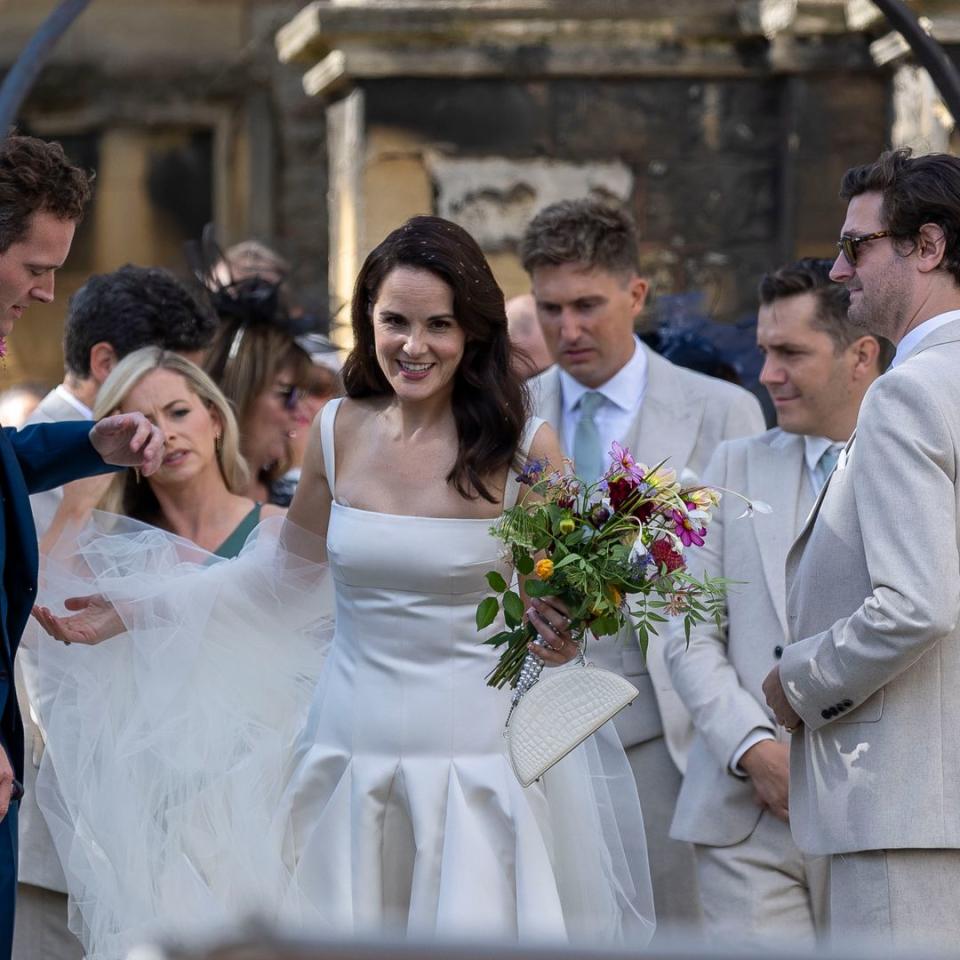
x=134, y=71
x=726, y=177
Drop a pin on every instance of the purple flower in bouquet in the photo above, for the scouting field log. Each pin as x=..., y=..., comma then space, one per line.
x=623, y=465
x=532, y=473
x=688, y=532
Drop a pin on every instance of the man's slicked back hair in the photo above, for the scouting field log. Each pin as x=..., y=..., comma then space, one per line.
x=915, y=191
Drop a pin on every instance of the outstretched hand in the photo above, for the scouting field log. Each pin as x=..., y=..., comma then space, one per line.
x=96, y=620
x=129, y=440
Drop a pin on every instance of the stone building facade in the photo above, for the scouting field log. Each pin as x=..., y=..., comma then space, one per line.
x=723, y=124
x=187, y=116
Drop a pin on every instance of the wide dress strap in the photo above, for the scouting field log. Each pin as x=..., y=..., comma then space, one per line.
x=523, y=455
x=328, y=416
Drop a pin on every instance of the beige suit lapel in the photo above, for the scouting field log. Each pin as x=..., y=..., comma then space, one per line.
x=778, y=470
x=668, y=423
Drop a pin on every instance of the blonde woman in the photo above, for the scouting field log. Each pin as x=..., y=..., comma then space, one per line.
x=200, y=491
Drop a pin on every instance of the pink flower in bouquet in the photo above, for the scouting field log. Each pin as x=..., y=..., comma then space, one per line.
x=688, y=532
x=624, y=465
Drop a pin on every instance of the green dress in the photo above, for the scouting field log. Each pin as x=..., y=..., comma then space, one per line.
x=232, y=546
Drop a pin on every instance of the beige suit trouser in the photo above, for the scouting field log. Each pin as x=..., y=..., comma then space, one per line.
x=40, y=929
x=763, y=889
x=672, y=865
x=907, y=899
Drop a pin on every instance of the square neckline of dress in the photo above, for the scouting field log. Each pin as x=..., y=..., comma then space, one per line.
x=327, y=423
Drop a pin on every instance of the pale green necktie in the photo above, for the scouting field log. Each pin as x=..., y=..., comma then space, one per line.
x=587, y=446
x=826, y=463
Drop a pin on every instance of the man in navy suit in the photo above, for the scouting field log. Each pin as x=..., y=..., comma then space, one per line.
x=42, y=199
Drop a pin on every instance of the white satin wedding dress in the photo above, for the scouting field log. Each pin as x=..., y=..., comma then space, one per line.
x=387, y=807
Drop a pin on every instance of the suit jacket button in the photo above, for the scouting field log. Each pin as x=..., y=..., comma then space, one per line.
x=778, y=651
x=847, y=704
x=826, y=714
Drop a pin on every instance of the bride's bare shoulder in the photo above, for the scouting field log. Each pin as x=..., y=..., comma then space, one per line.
x=354, y=411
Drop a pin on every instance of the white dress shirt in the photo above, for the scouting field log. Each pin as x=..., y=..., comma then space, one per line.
x=622, y=394
x=907, y=345
x=67, y=397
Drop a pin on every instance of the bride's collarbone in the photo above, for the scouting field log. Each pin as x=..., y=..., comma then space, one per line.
x=411, y=489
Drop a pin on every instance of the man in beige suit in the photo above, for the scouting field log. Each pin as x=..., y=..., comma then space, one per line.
x=755, y=885
x=110, y=316
x=582, y=259
x=870, y=684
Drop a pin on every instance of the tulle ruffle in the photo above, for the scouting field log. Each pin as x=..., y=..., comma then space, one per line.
x=185, y=791
x=167, y=745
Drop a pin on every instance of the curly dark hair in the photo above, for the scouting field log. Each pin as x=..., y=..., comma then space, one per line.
x=36, y=176
x=915, y=191
x=134, y=307
x=584, y=231
x=490, y=403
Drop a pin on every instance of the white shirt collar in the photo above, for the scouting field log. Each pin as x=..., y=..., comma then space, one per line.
x=624, y=389
x=815, y=447
x=912, y=340
x=67, y=397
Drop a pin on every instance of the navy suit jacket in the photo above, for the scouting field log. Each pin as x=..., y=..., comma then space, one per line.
x=32, y=459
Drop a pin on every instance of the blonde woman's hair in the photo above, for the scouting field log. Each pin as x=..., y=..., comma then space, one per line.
x=125, y=495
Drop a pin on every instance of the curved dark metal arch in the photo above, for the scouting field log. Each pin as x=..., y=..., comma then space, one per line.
x=17, y=83
x=929, y=53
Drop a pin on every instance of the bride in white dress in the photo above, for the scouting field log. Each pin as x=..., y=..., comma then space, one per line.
x=391, y=806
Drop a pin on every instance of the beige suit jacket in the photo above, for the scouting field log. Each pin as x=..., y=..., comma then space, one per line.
x=873, y=604
x=38, y=861
x=719, y=676
x=684, y=416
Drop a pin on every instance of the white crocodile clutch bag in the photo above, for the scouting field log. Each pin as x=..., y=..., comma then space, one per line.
x=558, y=713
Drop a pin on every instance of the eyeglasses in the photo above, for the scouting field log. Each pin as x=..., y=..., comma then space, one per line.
x=848, y=245
x=290, y=394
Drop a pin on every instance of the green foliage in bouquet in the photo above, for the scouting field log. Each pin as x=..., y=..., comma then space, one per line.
x=613, y=551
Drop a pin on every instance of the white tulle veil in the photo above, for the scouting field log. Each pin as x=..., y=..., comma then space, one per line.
x=167, y=747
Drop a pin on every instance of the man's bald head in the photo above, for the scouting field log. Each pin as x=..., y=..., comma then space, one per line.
x=531, y=354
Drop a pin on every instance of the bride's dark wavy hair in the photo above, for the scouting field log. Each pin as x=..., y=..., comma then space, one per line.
x=490, y=401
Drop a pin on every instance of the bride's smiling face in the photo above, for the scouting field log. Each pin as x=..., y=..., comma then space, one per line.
x=418, y=341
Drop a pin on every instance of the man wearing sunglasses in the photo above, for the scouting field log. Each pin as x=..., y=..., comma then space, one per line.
x=870, y=685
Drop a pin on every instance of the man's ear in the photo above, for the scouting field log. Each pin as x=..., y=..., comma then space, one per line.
x=639, y=288
x=866, y=352
x=103, y=358
x=931, y=246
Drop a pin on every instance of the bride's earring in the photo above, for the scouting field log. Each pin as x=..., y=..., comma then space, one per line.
x=218, y=445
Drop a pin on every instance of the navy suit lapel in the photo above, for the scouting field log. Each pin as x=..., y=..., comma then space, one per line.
x=18, y=548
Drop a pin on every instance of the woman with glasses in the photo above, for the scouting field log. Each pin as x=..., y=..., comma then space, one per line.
x=262, y=372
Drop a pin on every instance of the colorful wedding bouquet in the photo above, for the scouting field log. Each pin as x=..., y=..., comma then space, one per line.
x=613, y=551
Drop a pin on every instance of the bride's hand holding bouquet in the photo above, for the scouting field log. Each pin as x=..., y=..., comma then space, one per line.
x=614, y=553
